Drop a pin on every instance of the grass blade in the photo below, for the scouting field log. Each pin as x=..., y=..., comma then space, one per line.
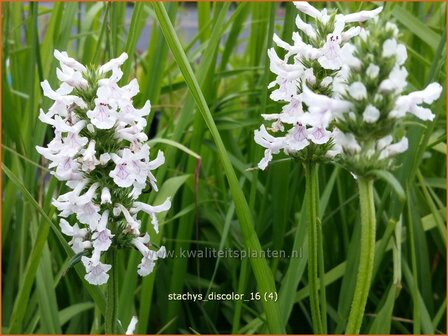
x=261, y=270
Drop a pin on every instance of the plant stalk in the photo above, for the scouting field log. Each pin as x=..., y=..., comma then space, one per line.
x=363, y=279
x=313, y=244
x=112, y=294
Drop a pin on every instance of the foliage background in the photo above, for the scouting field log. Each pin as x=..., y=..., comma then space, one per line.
x=41, y=293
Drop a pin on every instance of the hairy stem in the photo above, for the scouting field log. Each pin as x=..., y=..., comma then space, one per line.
x=313, y=244
x=365, y=269
x=112, y=294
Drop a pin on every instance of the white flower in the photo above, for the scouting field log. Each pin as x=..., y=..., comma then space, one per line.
x=154, y=164
x=123, y=173
x=392, y=48
x=63, y=58
x=96, y=270
x=287, y=75
x=306, y=28
x=371, y=114
x=89, y=160
x=335, y=150
x=383, y=142
x=71, y=71
x=131, y=326
x=362, y=15
x=140, y=166
x=296, y=139
x=334, y=53
x=104, y=158
x=78, y=243
x=393, y=27
x=161, y=253
x=309, y=77
x=347, y=141
x=104, y=115
x=322, y=109
x=133, y=168
x=410, y=103
x=358, y=91
x=82, y=205
x=71, y=77
x=102, y=235
x=307, y=9
x=331, y=51
x=114, y=63
x=147, y=263
x=348, y=59
x=372, y=71
x=67, y=169
x=152, y=210
x=323, y=17
x=133, y=223
x=396, y=81
x=132, y=134
x=272, y=144
x=61, y=98
x=394, y=149
x=291, y=112
x=88, y=214
x=119, y=96
x=141, y=243
x=130, y=116
x=319, y=135
x=69, y=145
x=105, y=196
x=300, y=48
x=88, y=195
x=364, y=34
x=350, y=33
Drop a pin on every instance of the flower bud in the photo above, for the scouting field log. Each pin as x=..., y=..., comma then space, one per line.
x=105, y=196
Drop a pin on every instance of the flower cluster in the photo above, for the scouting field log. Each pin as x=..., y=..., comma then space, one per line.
x=369, y=132
x=100, y=151
x=314, y=63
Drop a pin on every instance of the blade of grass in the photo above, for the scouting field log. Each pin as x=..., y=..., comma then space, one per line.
x=186, y=224
x=261, y=270
x=415, y=25
x=169, y=189
x=138, y=20
x=23, y=296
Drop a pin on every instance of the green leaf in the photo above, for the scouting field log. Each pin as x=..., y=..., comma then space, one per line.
x=70, y=312
x=383, y=319
x=392, y=181
x=20, y=304
x=262, y=272
x=418, y=27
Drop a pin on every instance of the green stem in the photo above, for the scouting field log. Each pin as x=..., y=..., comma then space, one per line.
x=323, y=296
x=368, y=223
x=112, y=294
x=313, y=244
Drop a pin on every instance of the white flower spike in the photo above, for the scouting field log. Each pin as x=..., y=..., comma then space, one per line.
x=369, y=131
x=100, y=151
x=305, y=117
